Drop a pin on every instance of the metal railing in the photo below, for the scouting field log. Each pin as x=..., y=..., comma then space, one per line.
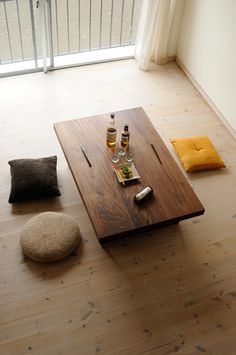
x=93, y=24
x=76, y=26
x=19, y=31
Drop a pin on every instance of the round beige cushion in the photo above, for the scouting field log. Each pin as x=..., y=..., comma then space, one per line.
x=49, y=236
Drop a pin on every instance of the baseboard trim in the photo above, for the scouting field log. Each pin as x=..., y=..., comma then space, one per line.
x=206, y=98
x=171, y=58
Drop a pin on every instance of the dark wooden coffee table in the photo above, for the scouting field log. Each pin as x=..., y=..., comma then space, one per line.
x=110, y=205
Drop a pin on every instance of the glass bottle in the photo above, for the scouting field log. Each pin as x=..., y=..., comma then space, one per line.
x=125, y=135
x=111, y=131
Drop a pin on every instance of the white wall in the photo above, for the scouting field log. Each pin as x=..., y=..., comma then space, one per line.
x=207, y=48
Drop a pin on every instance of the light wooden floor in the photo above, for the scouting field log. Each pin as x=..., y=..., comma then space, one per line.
x=169, y=291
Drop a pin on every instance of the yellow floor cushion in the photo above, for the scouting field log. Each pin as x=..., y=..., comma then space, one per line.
x=197, y=153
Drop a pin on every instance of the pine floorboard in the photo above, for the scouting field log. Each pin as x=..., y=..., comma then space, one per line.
x=172, y=290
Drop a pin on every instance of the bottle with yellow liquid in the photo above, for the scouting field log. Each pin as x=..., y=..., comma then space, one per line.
x=125, y=135
x=111, y=131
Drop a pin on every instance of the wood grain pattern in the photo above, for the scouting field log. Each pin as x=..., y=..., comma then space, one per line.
x=110, y=205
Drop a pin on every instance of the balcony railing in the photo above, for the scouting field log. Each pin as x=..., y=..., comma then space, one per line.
x=75, y=26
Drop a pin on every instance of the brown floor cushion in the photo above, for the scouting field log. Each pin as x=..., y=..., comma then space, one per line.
x=33, y=178
x=49, y=236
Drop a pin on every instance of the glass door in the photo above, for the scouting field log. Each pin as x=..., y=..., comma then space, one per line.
x=20, y=37
x=48, y=34
x=85, y=31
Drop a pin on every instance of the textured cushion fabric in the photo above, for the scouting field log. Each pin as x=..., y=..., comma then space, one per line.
x=49, y=236
x=197, y=153
x=33, y=178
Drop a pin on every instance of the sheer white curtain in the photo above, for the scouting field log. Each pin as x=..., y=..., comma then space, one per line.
x=154, y=32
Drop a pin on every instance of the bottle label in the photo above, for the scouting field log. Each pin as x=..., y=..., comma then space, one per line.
x=111, y=135
x=125, y=139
